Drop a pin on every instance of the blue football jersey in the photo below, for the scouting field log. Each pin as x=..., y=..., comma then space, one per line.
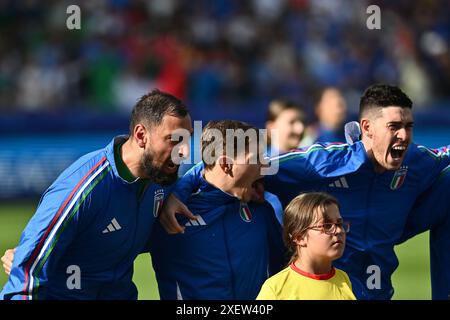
x=227, y=253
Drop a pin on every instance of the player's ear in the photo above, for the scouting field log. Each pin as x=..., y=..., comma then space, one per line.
x=269, y=125
x=366, y=127
x=226, y=164
x=140, y=135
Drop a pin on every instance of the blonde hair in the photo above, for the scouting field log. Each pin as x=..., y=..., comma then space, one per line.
x=300, y=213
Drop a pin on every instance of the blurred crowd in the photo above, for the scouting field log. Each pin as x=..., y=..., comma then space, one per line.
x=218, y=52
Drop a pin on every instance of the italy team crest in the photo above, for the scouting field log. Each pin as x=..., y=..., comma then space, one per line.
x=158, y=202
x=245, y=213
x=399, y=178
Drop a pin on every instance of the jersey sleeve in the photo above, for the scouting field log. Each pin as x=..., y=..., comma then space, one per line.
x=45, y=240
x=440, y=259
x=187, y=184
x=291, y=167
x=430, y=209
x=266, y=292
x=431, y=212
x=443, y=152
x=440, y=159
x=308, y=168
x=347, y=280
x=277, y=250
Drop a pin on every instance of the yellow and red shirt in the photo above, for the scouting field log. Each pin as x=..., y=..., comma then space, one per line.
x=294, y=284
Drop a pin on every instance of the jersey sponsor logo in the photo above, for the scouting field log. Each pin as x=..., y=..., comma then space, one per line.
x=399, y=177
x=158, y=202
x=113, y=226
x=339, y=183
x=245, y=213
x=196, y=222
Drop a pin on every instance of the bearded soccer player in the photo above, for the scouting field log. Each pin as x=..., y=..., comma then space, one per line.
x=97, y=216
x=376, y=181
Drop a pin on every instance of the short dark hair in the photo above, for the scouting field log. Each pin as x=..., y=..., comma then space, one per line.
x=152, y=107
x=383, y=95
x=277, y=106
x=208, y=139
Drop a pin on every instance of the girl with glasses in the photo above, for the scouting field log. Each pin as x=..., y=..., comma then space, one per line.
x=315, y=233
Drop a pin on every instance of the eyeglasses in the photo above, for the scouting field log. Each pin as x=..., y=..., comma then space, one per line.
x=331, y=227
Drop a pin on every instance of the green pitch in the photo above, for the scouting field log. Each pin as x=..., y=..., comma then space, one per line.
x=411, y=280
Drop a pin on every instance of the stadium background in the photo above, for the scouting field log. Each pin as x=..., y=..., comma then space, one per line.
x=65, y=92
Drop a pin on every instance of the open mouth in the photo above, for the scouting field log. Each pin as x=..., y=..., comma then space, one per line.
x=258, y=190
x=171, y=167
x=398, y=151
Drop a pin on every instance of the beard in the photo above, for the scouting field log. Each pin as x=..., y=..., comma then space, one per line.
x=156, y=173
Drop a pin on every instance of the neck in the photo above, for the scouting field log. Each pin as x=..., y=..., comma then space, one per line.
x=282, y=148
x=314, y=266
x=221, y=181
x=330, y=126
x=369, y=151
x=131, y=157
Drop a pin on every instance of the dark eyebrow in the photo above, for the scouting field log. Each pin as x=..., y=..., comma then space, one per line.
x=400, y=123
x=169, y=136
x=190, y=132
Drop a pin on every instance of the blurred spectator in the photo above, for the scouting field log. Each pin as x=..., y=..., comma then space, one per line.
x=129, y=86
x=331, y=112
x=218, y=52
x=41, y=83
x=285, y=123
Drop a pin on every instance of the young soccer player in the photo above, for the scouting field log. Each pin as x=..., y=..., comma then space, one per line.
x=235, y=244
x=315, y=232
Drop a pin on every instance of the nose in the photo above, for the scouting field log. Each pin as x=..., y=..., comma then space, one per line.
x=338, y=229
x=183, y=150
x=299, y=127
x=403, y=134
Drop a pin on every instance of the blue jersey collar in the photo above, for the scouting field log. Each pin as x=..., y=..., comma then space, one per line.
x=359, y=154
x=216, y=196
x=110, y=156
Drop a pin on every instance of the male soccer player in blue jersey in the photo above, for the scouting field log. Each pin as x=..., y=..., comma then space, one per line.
x=97, y=216
x=376, y=181
x=234, y=245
